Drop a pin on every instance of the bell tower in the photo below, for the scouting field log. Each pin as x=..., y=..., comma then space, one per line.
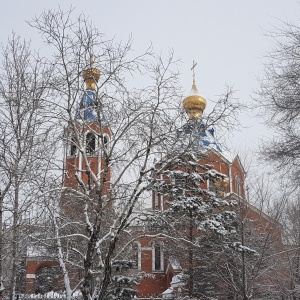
x=88, y=140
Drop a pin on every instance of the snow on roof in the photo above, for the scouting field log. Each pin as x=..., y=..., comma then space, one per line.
x=168, y=293
x=178, y=280
x=53, y=295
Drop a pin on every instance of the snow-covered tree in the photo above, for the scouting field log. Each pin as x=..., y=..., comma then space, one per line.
x=251, y=262
x=198, y=221
x=278, y=100
x=256, y=265
x=126, y=125
x=91, y=227
x=227, y=247
x=25, y=149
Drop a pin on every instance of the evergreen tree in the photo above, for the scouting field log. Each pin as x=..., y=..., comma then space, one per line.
x=199, y=220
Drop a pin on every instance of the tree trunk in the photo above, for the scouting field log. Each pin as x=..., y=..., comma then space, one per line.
x=1, y=245
x=61, y=261
x=191, y=257
x=15, y=235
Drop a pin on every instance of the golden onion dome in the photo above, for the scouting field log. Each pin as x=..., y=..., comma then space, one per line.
x=91, y=76
x=194, y=104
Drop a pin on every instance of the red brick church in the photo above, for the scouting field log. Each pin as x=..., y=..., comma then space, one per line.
x=164, y=269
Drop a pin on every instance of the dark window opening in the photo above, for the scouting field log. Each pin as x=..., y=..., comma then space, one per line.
x=156, y=201
x=105, y=140
x=157, y=257
x=90, y=143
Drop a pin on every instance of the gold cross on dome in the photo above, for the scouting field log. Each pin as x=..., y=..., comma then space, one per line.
x=193, y=68
x=92, y=60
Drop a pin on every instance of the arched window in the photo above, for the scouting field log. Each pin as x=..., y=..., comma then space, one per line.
x=44, y=280
x=90, y=143
x=238, y=185
x=157, y=257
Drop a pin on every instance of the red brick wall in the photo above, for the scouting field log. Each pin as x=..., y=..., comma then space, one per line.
x=33, y=265
x=158, y=282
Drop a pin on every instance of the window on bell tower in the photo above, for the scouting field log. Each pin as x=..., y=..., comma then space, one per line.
x=90, y=143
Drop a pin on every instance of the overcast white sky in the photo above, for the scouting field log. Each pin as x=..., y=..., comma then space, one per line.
x=226, y=38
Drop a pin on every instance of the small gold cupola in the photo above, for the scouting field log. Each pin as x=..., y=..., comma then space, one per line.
x=194, y=104
x=91, y=76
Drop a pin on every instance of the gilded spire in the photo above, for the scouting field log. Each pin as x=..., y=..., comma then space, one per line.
x=91, y=75
x=194, y=104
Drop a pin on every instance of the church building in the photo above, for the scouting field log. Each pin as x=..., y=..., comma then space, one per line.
x=204, y=171
x=156, y=255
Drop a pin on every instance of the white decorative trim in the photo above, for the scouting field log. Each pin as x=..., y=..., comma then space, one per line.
x=80, y=165
x=161, y=196
x=139, y=256
x=238, y=186
x=146, y=248
x=230, y=178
